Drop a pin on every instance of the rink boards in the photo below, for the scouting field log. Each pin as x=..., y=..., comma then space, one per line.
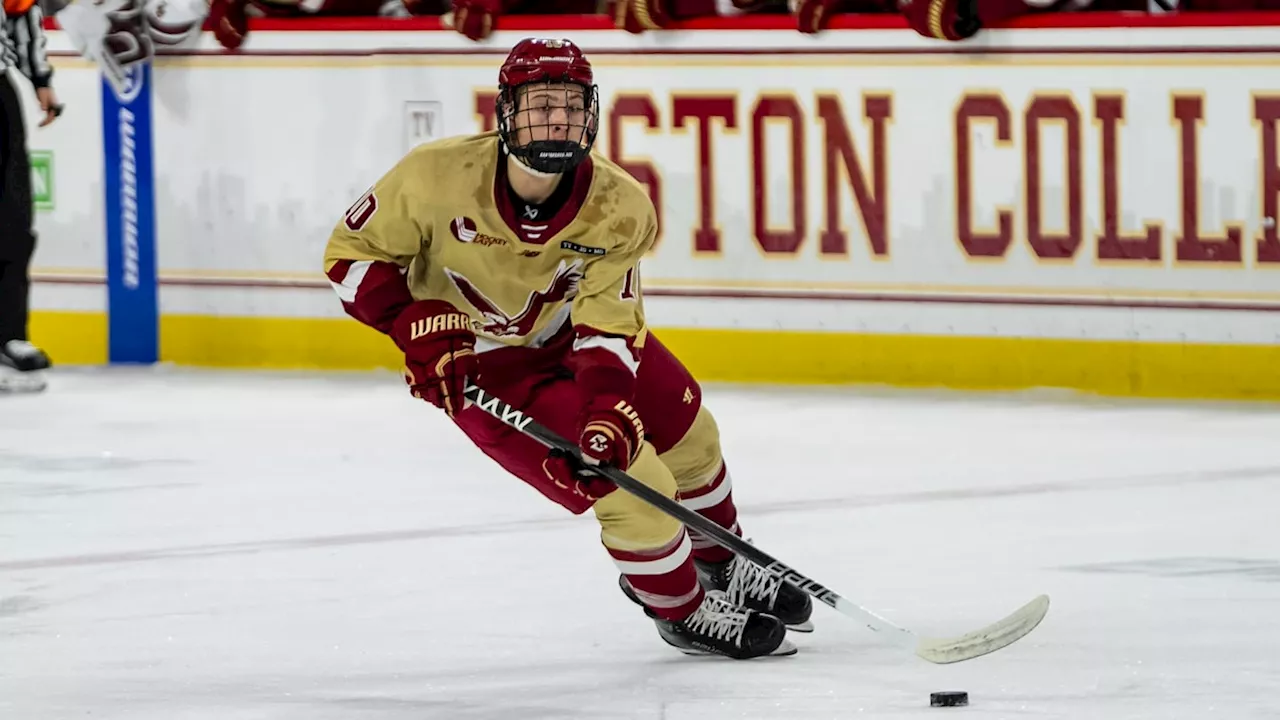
x=1090, y=208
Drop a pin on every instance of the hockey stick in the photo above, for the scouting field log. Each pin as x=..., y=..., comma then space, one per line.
x=936, y=650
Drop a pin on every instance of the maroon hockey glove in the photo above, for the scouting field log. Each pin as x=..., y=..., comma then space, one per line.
x=611, y=435
x=566, y=472
x=961, y=19
x=812, y=16
x=637, y=16
x=944, y=19
x=229, y=21
x=439, y=352
x=476, y=18
x=611, y=432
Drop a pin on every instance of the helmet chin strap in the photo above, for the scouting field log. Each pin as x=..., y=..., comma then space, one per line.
x=536, y=173
x=520, y=163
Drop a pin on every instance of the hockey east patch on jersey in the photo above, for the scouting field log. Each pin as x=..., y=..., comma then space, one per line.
x=585, y=250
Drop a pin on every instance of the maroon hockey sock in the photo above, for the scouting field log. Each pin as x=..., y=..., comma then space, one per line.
x=664, y=579
x=715, y=503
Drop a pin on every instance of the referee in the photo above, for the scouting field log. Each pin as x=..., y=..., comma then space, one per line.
x=22, y=47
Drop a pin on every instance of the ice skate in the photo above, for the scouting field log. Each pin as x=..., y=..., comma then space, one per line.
x=751, y=586
x=718, y=627
x=22, y=367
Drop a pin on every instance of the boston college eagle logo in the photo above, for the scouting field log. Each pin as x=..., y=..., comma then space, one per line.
x=563, y=286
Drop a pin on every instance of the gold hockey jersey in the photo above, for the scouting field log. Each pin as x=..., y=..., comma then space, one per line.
x=443, y=218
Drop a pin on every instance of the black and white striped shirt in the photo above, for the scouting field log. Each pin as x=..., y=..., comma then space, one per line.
x=22, y=45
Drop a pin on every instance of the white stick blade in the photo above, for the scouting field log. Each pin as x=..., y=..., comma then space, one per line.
x=987, y=640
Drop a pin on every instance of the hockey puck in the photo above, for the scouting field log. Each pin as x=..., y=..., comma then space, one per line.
x=949, y=698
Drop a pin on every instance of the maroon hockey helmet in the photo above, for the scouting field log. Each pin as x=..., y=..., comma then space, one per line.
x=556, y=63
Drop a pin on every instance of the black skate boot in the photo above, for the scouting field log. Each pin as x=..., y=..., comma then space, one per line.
x=751, y=586
x=22, y=367
x=718, y=627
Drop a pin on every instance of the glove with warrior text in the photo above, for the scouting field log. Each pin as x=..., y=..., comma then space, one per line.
x=611, y=434
x=439, y=352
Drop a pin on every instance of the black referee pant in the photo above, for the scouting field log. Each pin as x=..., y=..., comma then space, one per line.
x=17, y=237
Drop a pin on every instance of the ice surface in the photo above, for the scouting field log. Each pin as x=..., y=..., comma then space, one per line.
x=187, y=545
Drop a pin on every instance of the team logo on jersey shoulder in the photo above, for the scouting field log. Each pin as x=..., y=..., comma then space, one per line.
x=584, y=249
x=465, y=230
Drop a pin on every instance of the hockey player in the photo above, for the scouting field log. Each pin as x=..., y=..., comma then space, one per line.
x=512, y=258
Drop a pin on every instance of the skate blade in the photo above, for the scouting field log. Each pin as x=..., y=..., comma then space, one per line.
x=786, y=648
x=804, y=627
x=12, y=381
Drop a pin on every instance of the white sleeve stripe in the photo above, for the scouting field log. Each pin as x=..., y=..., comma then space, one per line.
x=617, y=346
x=351, y=282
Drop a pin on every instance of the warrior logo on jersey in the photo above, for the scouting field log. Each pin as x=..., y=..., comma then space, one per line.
x=562, y=288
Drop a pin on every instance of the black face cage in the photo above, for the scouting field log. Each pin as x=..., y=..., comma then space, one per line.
x=551, y=155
